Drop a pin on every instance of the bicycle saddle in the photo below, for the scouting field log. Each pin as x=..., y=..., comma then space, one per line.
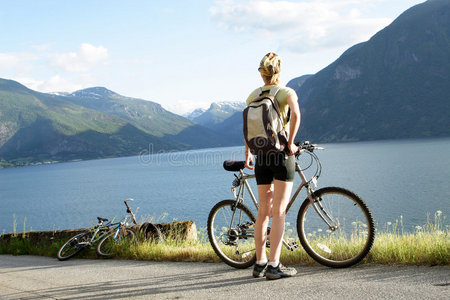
x=233, y=165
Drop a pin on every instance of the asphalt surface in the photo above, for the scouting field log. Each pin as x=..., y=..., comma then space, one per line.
x=33, y=277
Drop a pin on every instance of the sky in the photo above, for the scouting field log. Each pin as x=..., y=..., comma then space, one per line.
x=181, y=54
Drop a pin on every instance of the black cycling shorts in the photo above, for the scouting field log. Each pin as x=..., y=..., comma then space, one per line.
x=274, y=166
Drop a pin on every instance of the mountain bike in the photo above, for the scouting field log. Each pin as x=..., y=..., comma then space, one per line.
x=334, y=225
x=107, y=232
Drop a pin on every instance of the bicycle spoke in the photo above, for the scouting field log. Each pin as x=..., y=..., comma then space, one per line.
x=352, y=232
x=230, y=233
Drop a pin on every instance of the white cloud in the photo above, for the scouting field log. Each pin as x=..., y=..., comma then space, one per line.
x=301, y=26
x=87, y=57
x=8, y=60
x=182, y=106
x=59, y=84
x=41, y=47
x=15, y=60
x=28, y=82
x=55, y=84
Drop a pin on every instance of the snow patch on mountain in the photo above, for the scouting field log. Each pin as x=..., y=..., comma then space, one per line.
x=93, y=93
x=194, y=114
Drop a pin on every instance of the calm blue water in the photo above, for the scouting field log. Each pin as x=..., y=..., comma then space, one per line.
x=407, y=178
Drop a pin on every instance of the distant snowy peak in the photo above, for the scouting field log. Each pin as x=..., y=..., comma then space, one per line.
x=222, y=108
x=196, y=113
x=226, y=108
x=93, y=93
x=216, y=113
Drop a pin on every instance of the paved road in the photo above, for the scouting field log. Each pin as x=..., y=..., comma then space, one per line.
x=31, y=277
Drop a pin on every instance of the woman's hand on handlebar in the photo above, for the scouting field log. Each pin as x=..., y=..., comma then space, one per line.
x=292, y=149
x=249, y=161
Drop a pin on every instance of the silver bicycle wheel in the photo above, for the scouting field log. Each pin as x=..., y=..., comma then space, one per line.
x=107, y=244
x=74, y=245
x=351, y=235
x=231, y=233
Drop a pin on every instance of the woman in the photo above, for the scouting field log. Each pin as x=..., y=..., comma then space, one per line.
x=274, y=176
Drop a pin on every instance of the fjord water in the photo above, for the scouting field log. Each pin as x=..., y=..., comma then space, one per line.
x=398, y=179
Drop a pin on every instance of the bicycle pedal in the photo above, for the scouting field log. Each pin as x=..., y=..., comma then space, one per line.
x=293, y=245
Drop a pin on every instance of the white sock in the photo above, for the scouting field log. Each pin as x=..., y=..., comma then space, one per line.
x=274, y=264
x=261, y=262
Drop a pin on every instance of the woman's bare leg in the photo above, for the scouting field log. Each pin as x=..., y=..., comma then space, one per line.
x=281, y=194
x=265, y=195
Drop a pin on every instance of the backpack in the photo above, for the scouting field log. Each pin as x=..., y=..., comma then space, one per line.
x=264, y=127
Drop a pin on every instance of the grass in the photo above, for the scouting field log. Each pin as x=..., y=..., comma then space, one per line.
x=429, y=245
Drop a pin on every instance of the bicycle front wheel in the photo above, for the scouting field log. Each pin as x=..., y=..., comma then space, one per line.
x=107, y=244
x=74, y=245
x=348, y=237
x=231, y=233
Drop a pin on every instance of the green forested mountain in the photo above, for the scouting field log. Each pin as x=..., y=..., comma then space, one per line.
x=396, y=85
x=149, y=117
x=40, y=127
x=144, y=114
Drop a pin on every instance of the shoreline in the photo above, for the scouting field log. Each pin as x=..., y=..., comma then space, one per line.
x=8, y=164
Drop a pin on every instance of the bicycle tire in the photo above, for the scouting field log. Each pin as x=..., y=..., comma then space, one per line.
x=74, y=245
x=352, y=239
x=232, y=245
x=106, y=246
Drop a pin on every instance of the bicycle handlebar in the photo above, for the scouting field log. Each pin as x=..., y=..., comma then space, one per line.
x=306, y=146
x=129, y=210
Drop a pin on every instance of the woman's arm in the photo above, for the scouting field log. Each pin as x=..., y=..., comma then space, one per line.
x=294, y=123
x=248, y=157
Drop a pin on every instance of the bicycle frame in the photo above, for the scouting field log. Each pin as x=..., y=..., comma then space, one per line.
x=111, y=226
x=115, y=226
x=310, y=186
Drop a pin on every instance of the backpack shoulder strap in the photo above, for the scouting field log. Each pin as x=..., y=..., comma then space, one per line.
x=273, y=91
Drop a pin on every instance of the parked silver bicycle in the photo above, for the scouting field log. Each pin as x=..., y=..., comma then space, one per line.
x=334, y=225
x=107, y=232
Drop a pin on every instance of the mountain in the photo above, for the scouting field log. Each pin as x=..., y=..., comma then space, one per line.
x=149, y=117
x=194, y=114
x=396, y=85
x=297, y=82
x=232, y=128
x=91, y=123
x=217, y=113
x=225, y=118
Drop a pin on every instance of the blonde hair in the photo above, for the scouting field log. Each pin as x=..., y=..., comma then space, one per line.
x=270, y=67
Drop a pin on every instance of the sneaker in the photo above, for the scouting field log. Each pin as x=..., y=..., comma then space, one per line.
x=259, y=270
x=279, y=272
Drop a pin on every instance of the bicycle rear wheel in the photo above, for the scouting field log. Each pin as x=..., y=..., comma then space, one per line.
x=231, y=233
x=352, y=233
x=74, y=245
x=107, y=244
